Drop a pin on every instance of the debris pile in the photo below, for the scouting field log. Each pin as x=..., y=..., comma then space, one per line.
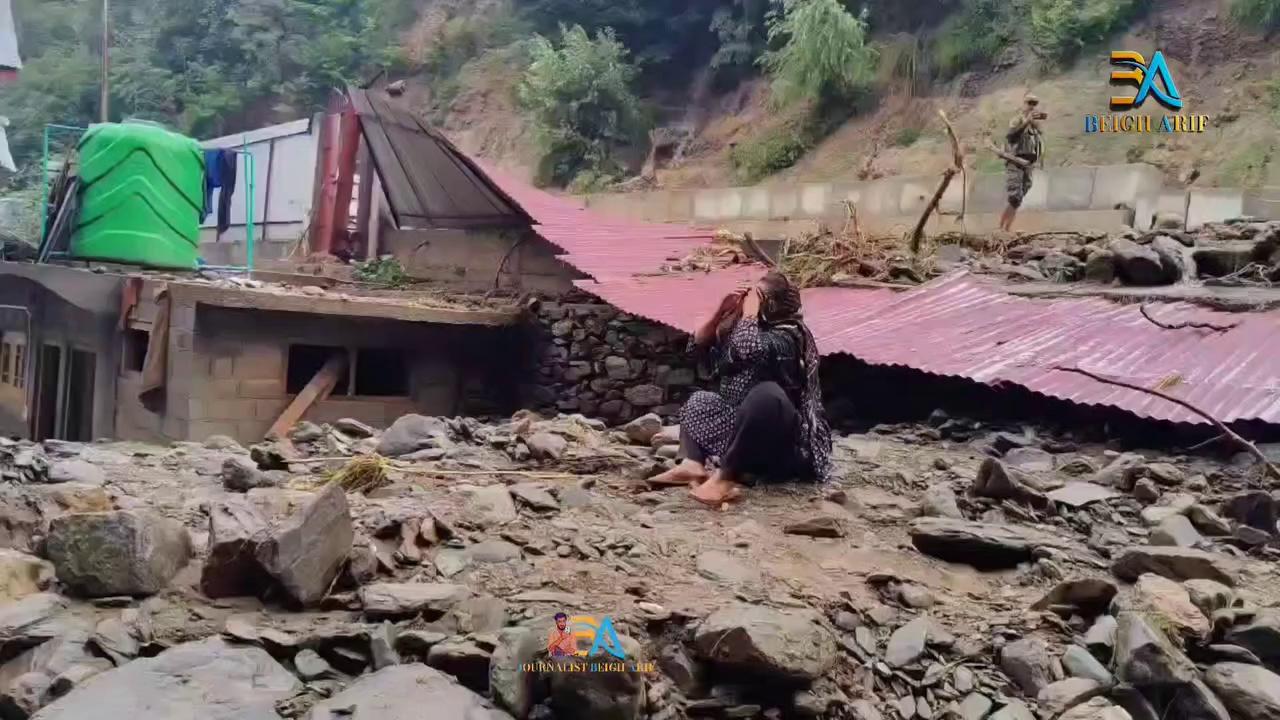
x=347, y=571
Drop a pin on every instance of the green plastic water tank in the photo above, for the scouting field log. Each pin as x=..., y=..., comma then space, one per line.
x=141, y=196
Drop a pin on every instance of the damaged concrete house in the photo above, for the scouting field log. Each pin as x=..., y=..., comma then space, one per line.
x=95, y=349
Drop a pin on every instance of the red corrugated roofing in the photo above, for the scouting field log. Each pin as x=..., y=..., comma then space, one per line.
x=959, y=326
x=601, y=246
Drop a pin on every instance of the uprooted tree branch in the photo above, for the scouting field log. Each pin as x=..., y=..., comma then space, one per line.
x=1221, y=426
x=957, y=168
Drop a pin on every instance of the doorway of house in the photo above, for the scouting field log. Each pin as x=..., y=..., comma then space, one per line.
x=48, y=371
x=78, y=399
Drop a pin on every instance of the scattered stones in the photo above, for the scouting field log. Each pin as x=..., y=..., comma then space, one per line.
x=1078, y=662
x=490, y=506
x=822, y=526
x=22, y=575
x=1207, y=521
x=305, y=552
x=1173, y=563
x=1087, y=596
x=25, y=694
x=76, y=471
x=777, y=643
x=401, y=600
x=1168, y=600
x=410, y=433
x=1139, y=264
x=534, y=496
x=725, y=568
x=908, y=642
x=466, y=661
x=117, y=553
x=1027, y=663
x=1261, y=636
x=206, y=679
x=231, y=568
x=1255, y=508
x=1101, y=637
x=642, y=429
x=1248, y=691
x=547, y=446
x=1081, y=494
x=983, y=545
x=940, y=501
x=1145, y=657
x=240, y=474
x=1145, y=490
x=995, y=480
x=1063, y=695
x=406, y=692
x=1176, y=531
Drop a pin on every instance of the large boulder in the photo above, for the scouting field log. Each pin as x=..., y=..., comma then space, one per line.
x=411, y=433
x=617, y=695
x=1003, y=482
x=117, y=553
x=207, y=680
x=400, y=600
x=1176, y=531
x=513, y=688
x=406, y=692
x=1176, y=260
x=1261, y=636
x=239, y=473
x=1028, y=664
x=305, y=552
x=1171, y=562
x=1139, y=264
x=983, y=545
x=1162, y=598
x=642, y=429
x=940, y=501
x=784, y=644
x=1146, y=658
x=490, y=505
x=22, y=575
x=1249, y=692
x=1255, y=508
x=30, y=621
x=231, y=568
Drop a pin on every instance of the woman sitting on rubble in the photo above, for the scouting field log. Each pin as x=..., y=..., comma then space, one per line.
x=767, y=419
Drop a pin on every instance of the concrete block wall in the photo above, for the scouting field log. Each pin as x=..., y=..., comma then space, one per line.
x=470, y=259
x=1061, y=198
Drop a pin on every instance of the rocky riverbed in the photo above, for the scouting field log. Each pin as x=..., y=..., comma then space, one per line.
x=950, y=570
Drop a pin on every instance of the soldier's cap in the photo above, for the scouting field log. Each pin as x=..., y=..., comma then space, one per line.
x=1031, y=99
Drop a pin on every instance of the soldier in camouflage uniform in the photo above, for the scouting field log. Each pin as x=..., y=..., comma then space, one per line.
x=1023, y=141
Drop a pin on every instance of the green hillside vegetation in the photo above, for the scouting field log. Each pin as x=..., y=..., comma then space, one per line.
x=589, y=76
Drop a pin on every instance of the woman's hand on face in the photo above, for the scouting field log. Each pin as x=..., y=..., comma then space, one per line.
x=751, y=304
x=730, y=303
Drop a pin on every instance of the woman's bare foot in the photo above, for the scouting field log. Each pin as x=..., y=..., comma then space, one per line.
x=716, y=491
x=687, y=472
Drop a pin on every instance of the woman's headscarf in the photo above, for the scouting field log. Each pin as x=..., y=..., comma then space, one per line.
x=780, y=308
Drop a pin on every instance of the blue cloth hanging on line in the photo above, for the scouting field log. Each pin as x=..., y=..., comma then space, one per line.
x=219, y=172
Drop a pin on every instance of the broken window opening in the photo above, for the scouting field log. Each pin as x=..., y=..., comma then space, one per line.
x=381, y=373
x=135, y=349
x=305, y=361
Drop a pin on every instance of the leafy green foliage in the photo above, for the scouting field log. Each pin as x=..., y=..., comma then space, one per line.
x=386, y=271
x=742, y=37
x=824, y=53
x=907, y=136
x=974, y=35
x=777, y=147
x=201, y=66
x=1261, y=14
x=579, y=96
x=1059, y=29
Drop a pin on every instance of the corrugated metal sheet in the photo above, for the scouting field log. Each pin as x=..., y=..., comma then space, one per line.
x=964, y=327
x=961, y=326
x=428, y=181
x=601, y=246
x=9, y=58
x=958, y=326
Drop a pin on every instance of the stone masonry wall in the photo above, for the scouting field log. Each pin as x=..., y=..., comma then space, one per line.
x=595, y=360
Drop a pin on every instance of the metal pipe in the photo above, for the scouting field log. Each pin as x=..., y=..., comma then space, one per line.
x=106, y=61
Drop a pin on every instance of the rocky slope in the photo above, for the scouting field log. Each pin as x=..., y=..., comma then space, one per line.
x=953, y=570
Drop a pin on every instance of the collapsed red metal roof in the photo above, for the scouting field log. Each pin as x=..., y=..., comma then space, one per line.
x=957, y=326
x=602, y=247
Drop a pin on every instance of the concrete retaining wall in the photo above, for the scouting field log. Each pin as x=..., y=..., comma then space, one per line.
x=1066, y=198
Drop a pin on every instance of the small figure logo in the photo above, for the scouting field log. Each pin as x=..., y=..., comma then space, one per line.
x=1144, y=75
x=597, y=636
x=563, y=642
